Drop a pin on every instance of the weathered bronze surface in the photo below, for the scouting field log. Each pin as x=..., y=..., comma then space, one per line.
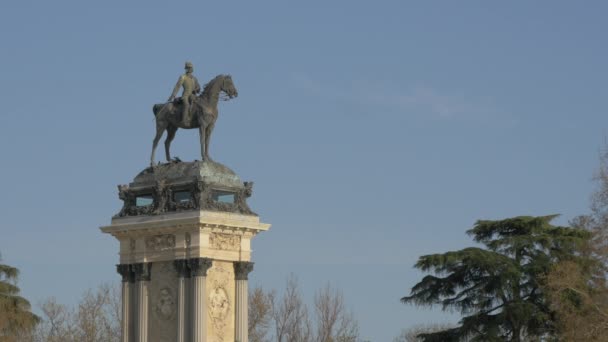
x=191, y=111
x=191, y=87
x=198, y=183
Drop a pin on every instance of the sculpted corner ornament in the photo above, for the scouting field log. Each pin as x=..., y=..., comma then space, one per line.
x=248, y=189
x=161, y=194
x=199, y=193
x=128, y=199
x=191, y=110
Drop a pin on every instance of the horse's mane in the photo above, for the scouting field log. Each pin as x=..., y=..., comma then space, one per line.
x=207, y=87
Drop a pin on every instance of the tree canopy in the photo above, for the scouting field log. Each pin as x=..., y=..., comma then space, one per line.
x=498, y=288
x=578, y=289
x=16, y=319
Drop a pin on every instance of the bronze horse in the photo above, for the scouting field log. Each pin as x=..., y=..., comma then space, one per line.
x=203, y=114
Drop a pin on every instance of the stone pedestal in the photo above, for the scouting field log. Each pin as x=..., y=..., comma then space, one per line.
x=185, y=234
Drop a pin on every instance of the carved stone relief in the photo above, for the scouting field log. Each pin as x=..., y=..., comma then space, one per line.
x=220, y=302
x=225, y=241
x=163, y=303
x=159, y=243
x=219, y=306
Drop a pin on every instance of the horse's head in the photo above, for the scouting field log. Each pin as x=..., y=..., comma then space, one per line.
x=228, y=87
x=221, y=83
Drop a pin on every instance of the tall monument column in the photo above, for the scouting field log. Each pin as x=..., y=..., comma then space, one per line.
x=241, y=275
x=185, y=232
x=199, y=267
x=142, y=277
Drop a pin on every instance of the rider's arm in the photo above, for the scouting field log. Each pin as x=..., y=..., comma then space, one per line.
x=177, y=86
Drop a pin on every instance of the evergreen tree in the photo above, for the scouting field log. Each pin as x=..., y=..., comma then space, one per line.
x=498, y=289
x=16, y=319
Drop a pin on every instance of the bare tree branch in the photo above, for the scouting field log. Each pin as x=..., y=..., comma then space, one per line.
x=333, y=322
x=290, y=316
x=260, y=314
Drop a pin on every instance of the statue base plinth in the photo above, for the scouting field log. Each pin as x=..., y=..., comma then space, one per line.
x=184, y=268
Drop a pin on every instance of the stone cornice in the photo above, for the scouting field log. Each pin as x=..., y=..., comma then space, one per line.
x=187, y=221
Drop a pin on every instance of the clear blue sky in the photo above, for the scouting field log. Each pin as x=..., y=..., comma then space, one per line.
x=375, y=131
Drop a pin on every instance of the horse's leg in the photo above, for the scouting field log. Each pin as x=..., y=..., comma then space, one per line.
x=159, y=133
x=201, y=130
x=208, y=131
x=170, y=135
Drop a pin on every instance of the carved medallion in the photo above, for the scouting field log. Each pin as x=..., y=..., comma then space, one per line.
x=165, y=304
x=160, y=242
x=225, y=241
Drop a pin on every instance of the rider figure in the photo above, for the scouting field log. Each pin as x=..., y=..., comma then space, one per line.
x=191, y=88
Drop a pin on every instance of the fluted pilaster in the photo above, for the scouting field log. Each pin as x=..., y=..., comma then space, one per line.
x=142, y=277
x=241, y=275
x=126, y=272
x=181, y=266
x=198, y=273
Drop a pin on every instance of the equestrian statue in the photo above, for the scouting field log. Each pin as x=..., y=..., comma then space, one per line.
x=191, y=110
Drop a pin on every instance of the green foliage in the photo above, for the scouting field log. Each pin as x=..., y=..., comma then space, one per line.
x=497, y=289
x=16, y=319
